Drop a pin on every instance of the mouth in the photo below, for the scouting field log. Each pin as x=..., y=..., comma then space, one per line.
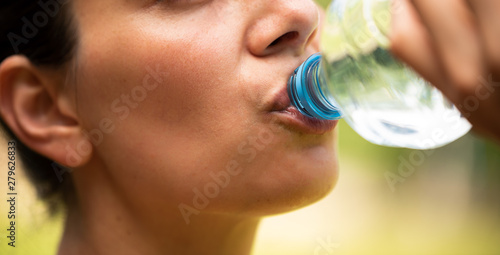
x=287, y=114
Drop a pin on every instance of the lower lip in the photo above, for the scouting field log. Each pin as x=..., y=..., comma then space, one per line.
x=293, y=118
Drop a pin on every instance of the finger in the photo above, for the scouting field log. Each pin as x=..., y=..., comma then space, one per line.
x=487, y=14
x=453, y=31
x=411, y=42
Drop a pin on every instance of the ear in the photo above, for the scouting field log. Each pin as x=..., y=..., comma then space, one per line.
x=36, y=109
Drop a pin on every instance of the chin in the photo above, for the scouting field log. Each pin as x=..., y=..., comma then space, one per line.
x=289, y=174
x=306, y=189
x=294, y=182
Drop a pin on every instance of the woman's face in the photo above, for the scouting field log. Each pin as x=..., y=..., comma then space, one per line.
x=185, y=103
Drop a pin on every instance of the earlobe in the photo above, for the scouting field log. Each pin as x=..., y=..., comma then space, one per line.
x=39, y=113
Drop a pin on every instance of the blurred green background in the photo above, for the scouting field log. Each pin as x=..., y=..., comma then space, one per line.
x=448, y=204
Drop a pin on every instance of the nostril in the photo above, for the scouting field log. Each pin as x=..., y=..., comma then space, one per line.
x=289, y=36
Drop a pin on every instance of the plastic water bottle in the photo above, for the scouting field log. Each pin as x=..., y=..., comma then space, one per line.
x=357, y=78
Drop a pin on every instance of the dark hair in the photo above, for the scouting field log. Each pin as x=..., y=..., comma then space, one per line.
x=43, y=32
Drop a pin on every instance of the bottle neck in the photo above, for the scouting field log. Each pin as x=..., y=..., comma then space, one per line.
x=305, y=89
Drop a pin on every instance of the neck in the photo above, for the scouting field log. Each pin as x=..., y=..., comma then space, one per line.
x=102, y=223
x=220, y=236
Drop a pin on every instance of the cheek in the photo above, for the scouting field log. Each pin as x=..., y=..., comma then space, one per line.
x=174, y=107
x=179, y=84
x=178, y=81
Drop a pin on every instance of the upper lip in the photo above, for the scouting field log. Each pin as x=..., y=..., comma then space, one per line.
x=293, y=117
x=281, y=101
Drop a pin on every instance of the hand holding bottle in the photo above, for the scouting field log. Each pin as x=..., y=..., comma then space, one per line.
x=357, y=78
x=454, y=44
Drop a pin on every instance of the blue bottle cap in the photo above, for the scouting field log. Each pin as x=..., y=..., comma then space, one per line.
x=305, y=93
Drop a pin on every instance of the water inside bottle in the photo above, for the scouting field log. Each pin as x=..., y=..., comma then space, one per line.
x=388, y=104
x=381, y=98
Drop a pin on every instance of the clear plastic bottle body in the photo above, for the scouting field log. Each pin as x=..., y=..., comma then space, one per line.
x=379, y=97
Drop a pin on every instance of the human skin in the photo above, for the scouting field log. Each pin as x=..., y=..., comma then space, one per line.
x=209, y=73
x=454, y=44
x=221, y=68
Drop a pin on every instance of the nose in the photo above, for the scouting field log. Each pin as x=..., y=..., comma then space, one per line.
x=282, y=26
